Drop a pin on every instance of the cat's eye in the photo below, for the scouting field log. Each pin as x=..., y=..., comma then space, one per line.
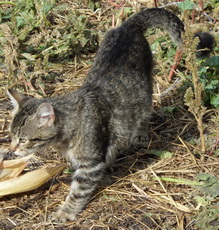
x=37, y=139
x=40, y=139
x=23, y=141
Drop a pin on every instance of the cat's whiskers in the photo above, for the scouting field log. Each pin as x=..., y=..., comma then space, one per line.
x=35, y=162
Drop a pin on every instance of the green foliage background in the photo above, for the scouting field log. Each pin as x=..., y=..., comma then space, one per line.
x=36, y=33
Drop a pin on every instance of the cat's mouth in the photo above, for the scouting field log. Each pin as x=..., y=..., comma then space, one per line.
x=23, y=153
x=23, y=150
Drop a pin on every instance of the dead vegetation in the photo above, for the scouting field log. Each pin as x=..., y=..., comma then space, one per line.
x=159, y=187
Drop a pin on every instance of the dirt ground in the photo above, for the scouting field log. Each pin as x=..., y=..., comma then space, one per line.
x=136, y=197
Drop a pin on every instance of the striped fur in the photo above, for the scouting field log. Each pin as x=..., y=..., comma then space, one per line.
x=107, y=115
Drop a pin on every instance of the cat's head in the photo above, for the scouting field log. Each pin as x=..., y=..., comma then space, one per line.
x=33, y=124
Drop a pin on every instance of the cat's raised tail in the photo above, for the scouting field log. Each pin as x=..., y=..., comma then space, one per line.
x=161, y=18
x=158, y=18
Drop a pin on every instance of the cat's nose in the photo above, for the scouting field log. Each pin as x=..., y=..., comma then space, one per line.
x=13, y=147
x=14, y=144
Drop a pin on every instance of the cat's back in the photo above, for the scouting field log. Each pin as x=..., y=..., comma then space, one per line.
x=123, y=58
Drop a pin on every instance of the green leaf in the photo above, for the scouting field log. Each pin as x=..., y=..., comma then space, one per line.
x=215, y=101
x=178, y=181
x=20, y=21
x=208, y=218
x=171, y=52
x=186, y=5
x=163, y=154
x=210, y=186
x=29, y=56
x=46, y=8
x=202, y=201
x=203, y=70
x=212, y=85
x=169, y=109
x=84, y=41
x=128, y=10
x=68, y=171
x=212, y=61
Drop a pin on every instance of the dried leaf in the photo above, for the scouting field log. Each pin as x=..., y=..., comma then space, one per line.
x=14, y=163
x=29, y=181
x=12, y=168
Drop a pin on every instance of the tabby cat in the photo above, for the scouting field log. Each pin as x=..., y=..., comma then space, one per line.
x=105, y=116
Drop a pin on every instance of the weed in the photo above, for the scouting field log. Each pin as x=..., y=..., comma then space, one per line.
x=209, y=77
x=42, y=31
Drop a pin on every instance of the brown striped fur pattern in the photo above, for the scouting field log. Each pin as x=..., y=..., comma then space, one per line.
x=105, y=116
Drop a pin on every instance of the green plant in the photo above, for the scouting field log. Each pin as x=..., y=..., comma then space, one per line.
x=194, y=95
x=202, y=80
x=40, y=31
x=209, y=77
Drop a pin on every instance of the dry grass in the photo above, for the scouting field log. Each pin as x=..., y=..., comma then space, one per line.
x=145, y=192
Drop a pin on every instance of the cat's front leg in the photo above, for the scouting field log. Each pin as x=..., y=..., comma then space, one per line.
x=85, y=180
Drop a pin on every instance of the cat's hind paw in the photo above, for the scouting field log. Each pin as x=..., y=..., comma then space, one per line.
x=139, y=141
x=62, y=216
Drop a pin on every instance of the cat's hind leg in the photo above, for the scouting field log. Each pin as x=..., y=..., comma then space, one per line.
x=139, y=140
x=139, y=136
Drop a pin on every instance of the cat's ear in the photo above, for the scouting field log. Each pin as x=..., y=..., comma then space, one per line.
x=17, y=99
x=45, y=115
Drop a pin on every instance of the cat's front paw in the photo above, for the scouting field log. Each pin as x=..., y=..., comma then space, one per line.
x=62, y=216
